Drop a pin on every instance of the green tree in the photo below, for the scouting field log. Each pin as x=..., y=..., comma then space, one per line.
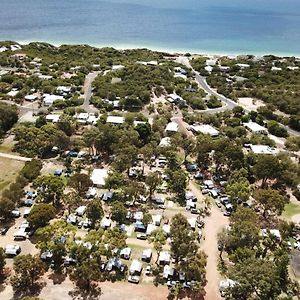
x=2, y=262
x=182, y=238
x=80, y=183
x=177, y=183
x=188, y=146
x=244, y=230
x=51, y=188
x=144, y=131
x=153, y=180
x=85, y=273
x=6, y=206
x=94, y=211
x=158, y=239
x=119, y=212
x=32, y=169
x=70, y=200
x=41, y=214
x=238, y=187
x=270, y=200
x=267, y=167
x=114, y=181
x=28, y=269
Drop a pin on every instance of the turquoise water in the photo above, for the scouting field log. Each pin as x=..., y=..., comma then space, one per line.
x=216, y=26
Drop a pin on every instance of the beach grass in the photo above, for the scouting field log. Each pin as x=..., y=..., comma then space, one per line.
x=290, y=210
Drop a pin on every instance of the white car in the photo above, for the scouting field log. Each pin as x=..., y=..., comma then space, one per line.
x=16, y=213
x=134, y=279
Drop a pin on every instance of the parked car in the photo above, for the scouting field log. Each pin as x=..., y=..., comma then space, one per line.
x=134, y=279
x=148, y=270
x=4, y=230
x=218, y=203
x=16, y=213
x=141, y=236
x=195, y=211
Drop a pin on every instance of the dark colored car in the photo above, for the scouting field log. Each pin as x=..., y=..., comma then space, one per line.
x=4, y=230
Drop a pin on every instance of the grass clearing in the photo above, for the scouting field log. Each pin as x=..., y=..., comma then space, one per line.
x=290, y=210
x=9, y=171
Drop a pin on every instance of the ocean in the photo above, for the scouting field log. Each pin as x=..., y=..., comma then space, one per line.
x=196, y=26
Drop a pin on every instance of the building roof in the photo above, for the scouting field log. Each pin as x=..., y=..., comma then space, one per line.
x=99, y=176
x=263, y=149
x=115, y=120
x=125, y=252
x=165, y=142
x=147, y=253
x=135, y=266
x=52, y=118
x=150, y=228
x=164, y=256
x=205, y=129
x=172, y=127
x=254, y=127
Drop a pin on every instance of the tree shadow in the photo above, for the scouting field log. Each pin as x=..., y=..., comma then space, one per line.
x=94, y=293
x=57, y=277
x=33, y=291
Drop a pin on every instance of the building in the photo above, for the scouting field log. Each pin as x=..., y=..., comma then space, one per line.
x=31, y=97
x=99, y=176
x=192, y=222
x=172, y=127
x=164, y=258
x=117, y=120
x=49, y=99
x=125, y=253
x=80, y=210
x=150, y=229
x=135, y=267
x=165, y=142
x=156, y=219
x=256, y=128
x=147, y=255
x=52, y=118
x=117, y=67
x=168, y=272
x=82, y=118
x=205, y=129
x=105, y=223
x=263, y=149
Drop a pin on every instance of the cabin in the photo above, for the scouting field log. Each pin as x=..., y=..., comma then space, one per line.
x=164, y=258
x=125, y=253
x=99, y=176
x=171, y=127
x=146, y=255
x=135, y=267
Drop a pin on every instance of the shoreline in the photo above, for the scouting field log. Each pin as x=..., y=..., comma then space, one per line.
x=163, y=49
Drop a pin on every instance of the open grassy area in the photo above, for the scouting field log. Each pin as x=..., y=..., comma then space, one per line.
x=9, y=171
x=290, y=210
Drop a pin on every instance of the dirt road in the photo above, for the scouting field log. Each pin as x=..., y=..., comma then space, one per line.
x=16, y=157
x=213, y=224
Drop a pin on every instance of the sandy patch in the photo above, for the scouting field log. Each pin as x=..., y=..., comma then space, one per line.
x=296, y=218
x=250, y=103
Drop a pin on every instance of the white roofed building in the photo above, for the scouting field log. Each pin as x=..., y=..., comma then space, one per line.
x=115, y=120
x=205, y=129
x=263, y=149
x=99, y=176
x=171, y=127
x=256, y=128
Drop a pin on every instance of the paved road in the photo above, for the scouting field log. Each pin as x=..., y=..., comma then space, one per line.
x=15, y=157
x=87, y=88
x=229, y=104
